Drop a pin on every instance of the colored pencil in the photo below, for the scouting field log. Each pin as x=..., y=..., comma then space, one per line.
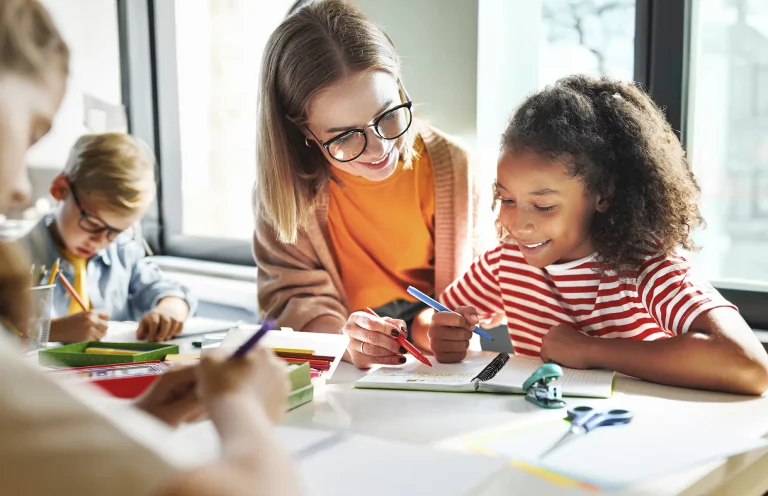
x=72, y=291
x=404, y=342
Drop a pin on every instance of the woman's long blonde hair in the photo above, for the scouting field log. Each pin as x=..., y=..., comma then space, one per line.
x=313, y=48
x=30, y=46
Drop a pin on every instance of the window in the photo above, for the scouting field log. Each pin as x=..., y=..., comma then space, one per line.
x=218, y=51
x=727, y=135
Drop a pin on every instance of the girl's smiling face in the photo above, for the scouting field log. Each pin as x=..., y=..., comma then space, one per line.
x=544, y=209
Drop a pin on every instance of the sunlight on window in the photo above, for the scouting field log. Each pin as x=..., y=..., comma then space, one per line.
x=218, y=55
x=727, y=135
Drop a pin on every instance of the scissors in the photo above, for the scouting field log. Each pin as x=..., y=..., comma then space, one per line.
x=585, y=419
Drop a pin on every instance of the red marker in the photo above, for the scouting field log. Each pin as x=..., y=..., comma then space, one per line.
x=404, y=343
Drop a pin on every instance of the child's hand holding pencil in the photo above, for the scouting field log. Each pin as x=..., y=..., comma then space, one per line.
x=83, y=326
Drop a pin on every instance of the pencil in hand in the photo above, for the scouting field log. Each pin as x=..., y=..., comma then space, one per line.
x=72, y=291
x=404, y=342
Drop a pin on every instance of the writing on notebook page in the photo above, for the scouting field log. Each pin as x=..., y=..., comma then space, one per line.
x=439, y=374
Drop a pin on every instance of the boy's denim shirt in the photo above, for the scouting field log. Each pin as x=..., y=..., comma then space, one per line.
x=121, y=280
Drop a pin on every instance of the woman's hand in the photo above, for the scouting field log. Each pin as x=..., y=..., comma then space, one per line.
x=372, y=340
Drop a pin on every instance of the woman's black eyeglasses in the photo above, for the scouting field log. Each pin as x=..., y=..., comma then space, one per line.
x=390, y=125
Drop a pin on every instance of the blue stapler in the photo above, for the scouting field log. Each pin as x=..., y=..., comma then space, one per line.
x=543, y=388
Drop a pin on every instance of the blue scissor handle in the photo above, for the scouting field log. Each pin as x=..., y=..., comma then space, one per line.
x=578, y=413
x=588, y=418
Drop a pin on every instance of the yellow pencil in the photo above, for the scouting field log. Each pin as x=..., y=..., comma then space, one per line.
x=293, y=350
x=54, y=272
x=110, y=351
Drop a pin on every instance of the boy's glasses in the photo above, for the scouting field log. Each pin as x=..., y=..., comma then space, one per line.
x=390, y=125
x=92, y=224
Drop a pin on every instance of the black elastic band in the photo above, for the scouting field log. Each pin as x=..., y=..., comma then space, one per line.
x=490, y=370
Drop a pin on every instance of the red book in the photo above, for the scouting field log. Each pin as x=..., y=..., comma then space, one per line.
x=122, y=380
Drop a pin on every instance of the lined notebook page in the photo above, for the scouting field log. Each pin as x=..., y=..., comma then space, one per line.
x=441, y=376
x=590, y=383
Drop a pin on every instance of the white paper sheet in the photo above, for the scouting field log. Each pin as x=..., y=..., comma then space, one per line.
x=613, y=457
x=125, y=332
x=344, y=464
x=364, y=465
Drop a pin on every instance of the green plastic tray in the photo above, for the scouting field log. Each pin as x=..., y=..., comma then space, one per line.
x=74, y=354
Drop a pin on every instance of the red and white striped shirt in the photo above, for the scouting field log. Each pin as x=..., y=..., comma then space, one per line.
x=662, y=302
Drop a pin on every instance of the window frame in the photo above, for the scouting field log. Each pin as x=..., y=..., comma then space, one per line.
x=662, y=61
x=155, y=113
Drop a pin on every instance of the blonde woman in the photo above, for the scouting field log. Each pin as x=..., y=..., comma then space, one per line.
x=355, y=199
x=62, y=438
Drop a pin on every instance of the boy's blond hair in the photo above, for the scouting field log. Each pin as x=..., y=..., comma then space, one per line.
x=310, y=50
x=115, y=166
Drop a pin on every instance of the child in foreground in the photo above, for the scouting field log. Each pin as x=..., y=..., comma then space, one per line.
x=596, y=200
x=65, y=438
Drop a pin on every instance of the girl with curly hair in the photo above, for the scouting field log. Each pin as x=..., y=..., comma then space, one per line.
x=596, y=198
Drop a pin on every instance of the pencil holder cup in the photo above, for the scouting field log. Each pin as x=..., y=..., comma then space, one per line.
x=41, y=304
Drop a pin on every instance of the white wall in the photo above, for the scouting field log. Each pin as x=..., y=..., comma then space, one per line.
x=437, y=41
x=90, y=29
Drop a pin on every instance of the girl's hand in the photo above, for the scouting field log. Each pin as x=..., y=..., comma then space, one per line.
x=450, y=332
x=567, y=346
x=371, y=340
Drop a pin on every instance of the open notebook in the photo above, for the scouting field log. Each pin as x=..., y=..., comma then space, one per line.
x=486, y=372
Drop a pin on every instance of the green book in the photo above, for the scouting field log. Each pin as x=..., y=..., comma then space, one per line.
x=298, y=374
x=300, y=397
x=302, y=390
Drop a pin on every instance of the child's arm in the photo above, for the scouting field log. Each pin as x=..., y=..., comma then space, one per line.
x=158, y=302
x=711, y=346
x=719, y=352
x=148, y=286
x=446, y=334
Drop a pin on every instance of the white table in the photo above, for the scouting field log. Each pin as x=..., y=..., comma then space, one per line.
x=429, y=418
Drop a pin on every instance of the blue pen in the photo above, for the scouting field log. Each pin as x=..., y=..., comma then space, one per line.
x=442, y=308
x=266, y=326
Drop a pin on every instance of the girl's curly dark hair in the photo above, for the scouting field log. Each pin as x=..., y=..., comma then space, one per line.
x=612, y=136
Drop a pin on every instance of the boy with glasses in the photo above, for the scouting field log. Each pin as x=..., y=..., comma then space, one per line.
x=104, y=191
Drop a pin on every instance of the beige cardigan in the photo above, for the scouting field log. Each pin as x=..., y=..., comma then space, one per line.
x=299, y=283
